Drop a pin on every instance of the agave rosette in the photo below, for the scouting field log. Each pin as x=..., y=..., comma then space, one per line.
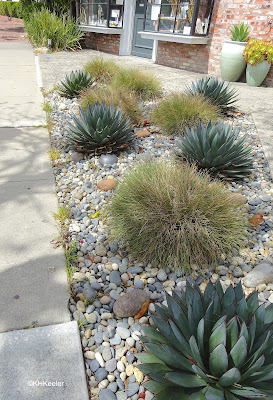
x=101, y=128
x=211, y=346
x=74, y=83
x=217, y=148
x=217, y=92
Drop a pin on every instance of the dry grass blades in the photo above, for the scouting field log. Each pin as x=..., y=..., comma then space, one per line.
x=174, y=216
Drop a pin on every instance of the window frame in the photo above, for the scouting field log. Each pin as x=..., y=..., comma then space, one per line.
x=193, y=23
x=110, y=7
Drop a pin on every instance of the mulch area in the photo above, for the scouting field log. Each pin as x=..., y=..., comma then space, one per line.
x=12, y=30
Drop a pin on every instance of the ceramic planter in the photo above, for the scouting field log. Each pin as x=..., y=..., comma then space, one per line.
x=256, y=74
x=232, y=60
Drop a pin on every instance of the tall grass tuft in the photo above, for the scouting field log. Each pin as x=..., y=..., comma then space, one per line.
x=121, y=98
x=178, y=111
x=102, y=70
x=138, y=82
x=175, y=217
x=63, y=31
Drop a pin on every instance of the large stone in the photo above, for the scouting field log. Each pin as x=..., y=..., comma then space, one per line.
x=262, y=273
x=106, y=160
x=130, y=304
x=76, y=157
x=142, y=133
x=107, y=184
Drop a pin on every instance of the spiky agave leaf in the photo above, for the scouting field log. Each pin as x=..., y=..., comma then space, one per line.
x=217, y=148
x=100, y=129
x=74, y=83
x=217, y=92
x=226, y=357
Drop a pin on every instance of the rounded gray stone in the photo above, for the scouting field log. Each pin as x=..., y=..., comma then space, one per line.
x=161, y=275
x=111, y=365
x=107, y=394
x=101, y=374
x=133, y=388
x=115, y=277
x=262, y=273
x=108, y=159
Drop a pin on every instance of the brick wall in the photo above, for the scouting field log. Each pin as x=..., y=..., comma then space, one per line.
x=226, y=13
x=102, y=42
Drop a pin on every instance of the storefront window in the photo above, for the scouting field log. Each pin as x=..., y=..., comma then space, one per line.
x=190, y=17
x=107, y=13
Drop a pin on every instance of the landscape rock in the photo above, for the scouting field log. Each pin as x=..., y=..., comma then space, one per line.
x=76, y=157
x=130, y=304
x=142, y=133
x=107, y=184
x=262, y=273
x=107, y=160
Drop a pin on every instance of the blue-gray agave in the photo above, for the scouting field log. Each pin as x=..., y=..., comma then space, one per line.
x=211, y=346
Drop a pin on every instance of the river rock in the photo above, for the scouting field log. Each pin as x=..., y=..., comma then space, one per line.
x=106, y=160
x=262, y=273
x=107, y=184
x=76, y=157
x=130, y=304
x=142, y=133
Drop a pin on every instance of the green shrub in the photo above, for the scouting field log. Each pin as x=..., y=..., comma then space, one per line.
x=102, y=70
x=217, y=92
x=175, y=216
x=75, y=83
x=138, y=82
x=178, y=111
x=121, y=98
x=218, y=149
x=100, y=129
x=63, y=31
x=10, y=9
x=211, y=346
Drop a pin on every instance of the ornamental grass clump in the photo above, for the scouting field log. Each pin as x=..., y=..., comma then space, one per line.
x=175, y=216
x=120, y=97
x=178, y=111
x=63, y=31
x=102, y=70
x=217, y=148
x=211, y=346
x=217, y=92
x=142, y=84
x=100, y=129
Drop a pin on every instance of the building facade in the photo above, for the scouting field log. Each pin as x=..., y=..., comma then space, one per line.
x=182, y=34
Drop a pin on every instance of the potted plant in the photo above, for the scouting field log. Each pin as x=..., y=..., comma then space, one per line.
x=232, y=60
x=259, y=56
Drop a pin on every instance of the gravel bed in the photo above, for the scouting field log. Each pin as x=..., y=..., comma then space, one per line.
x=105, y=271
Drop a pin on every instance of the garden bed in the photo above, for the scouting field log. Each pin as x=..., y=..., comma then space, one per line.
x=105, y=271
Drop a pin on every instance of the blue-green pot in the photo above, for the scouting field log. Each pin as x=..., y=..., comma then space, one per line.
x=256, y=74
x=232, y=61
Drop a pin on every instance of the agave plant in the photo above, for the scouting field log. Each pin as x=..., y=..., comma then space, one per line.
x=211, y=346
x=74, y=83
x=100, y=129
x=218, y=92
x=217, y=148
x=239, y=33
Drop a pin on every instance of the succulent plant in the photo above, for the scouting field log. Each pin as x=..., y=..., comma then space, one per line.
x=211, y=346
x=239, y=33
x=258, y=50
x=101, y=129
x=217, y=148
x=218, y=92
x=74, y=83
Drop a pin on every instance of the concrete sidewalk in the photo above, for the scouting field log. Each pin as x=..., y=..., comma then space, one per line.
x=21, y=98
x=33, y=282
x=257, y=101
